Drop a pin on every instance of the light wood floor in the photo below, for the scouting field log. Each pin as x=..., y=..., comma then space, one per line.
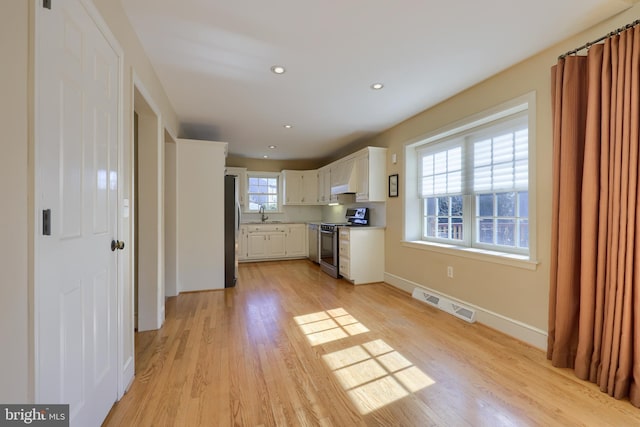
x=290, y=346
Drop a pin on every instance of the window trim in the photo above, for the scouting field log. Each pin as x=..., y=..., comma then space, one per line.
x=412, y=209
x=258, y=174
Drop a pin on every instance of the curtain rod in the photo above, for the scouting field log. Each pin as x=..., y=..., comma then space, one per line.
x=606, y=36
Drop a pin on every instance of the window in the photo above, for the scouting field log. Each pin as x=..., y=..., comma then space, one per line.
x=473, y=185
x=263, y=190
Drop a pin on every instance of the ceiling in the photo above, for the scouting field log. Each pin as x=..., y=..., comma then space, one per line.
x=214, y=60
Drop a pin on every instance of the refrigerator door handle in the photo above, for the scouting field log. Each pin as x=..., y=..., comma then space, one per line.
x=238, y=217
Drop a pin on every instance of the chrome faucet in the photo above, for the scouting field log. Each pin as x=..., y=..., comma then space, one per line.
x=263, y=217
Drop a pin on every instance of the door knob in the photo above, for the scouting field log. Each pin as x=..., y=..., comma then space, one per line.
x=117, y=244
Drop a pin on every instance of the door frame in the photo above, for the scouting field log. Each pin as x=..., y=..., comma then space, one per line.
x=124, y=366
x=151, y=295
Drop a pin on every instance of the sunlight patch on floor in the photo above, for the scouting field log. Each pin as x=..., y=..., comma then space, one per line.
x=373, y=374
x=330, y=325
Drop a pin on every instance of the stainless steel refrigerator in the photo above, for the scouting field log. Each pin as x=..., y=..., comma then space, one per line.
x=231, y=230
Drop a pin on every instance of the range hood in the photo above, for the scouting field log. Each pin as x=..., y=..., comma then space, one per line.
x=344, y=199
x=344, y=178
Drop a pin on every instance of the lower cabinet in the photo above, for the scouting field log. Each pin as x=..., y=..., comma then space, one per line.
x=296, y=243
x=268, y=241
x=266, y=245
x=361, y=254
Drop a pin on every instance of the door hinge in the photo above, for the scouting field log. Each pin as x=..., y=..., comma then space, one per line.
x=46, y=4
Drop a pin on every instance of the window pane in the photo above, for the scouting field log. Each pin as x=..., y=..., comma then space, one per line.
x=431, y=227
x=523, y=204
x=456, y=206
x=440, y=184
x=503, y=176
x=523, y=226
x=431, y=205
x=485, y=231
x=521, y=179
x=457, y=228
x=427, y=186
x=522, y=144
x=485, y=205
x=506, y=204
x=455, y=182
x=482, y=153
x=443, y=228
x=443, y=206
x=506, y=232
x=503, y=149
x=482, y=179
x=440, y=161
x=454, y=159
x=427, y=165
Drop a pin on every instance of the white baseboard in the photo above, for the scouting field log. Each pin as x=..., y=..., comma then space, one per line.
x=521, y=331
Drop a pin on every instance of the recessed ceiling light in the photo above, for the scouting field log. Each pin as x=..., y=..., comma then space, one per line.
x=265, y=156
x=288, y=126
x=278, y=69
x=377, y=86
x=273, y=147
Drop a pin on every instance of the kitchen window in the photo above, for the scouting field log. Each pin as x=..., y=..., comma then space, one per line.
x=263, y=189
x=472, y=185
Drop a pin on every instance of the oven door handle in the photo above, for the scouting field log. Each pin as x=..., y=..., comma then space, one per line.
x=326, y=232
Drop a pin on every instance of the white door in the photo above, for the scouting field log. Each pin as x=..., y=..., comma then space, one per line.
x=77, y=181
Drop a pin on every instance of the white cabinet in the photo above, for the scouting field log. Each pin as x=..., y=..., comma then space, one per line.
x=272, y=241
x=241, y=173
x=324, y=185
x=371, y=167
x=242, y=243
x=310, y=187
x=265, y=241
x=292, y=187
x=256, y=245
x=276, y=246
x=362, y=173
x=296, y=243
x=361, y=254
x=344, y=176
x=300, y=187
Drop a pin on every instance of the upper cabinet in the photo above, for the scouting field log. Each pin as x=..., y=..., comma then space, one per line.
x=362, y=173
x=324, y=185
x=300, y=187
x=371, y=174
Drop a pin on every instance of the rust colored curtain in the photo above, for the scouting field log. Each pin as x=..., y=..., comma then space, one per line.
x=594, y=304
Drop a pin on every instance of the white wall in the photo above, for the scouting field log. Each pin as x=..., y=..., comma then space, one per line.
x=15, y=327
x=200, y=214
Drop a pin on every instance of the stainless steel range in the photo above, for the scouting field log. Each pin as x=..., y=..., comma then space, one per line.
x=329, y=253
x=329, y=248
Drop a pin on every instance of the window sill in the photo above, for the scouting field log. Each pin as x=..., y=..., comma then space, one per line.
x=513, y=260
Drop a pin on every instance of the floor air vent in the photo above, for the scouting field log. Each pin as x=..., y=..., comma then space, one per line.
x=444, y=304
